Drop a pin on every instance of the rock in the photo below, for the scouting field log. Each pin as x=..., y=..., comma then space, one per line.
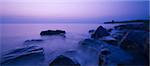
x=109, y=40
x=91, y=31
x=104, y=57
x=144, y=27
x=100, y=32
x=22, y=53
x=109, y=30
x=118, y=34
x=34, y=40
x=136, y=41
x=52, y=32
x=63, y=61
x=91, y=43
x=105, y=51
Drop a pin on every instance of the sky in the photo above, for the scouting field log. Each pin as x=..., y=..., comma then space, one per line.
x=72, y=11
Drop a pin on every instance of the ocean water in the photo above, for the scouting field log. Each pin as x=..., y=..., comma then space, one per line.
x=13, y=36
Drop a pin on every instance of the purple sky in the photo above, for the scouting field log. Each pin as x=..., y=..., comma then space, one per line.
x=36, y=11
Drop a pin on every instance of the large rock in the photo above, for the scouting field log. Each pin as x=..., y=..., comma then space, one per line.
x=137, y=43
x=136, y=40
x=63, y=61
x=52, y=32
x=23, y=55
x=100, y=32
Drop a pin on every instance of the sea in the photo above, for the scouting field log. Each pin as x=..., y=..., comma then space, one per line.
x=13, y=36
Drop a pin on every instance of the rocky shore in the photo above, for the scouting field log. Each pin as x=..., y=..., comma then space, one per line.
x=122, y=45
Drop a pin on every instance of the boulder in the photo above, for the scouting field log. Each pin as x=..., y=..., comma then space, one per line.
x=100, y=32
x=52, y=32
x=63, y=61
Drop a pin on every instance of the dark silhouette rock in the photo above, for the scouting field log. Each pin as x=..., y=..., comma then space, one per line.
x=109, y=30
x=52, y=32
x=100, y=32
x=63, y=61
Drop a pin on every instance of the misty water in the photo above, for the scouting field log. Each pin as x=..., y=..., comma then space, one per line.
x=14, y=35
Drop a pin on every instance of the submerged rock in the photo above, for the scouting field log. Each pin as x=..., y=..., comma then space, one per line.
x=52, y=32
x=63, y=61
x=100, y=32
x=91, y=31
x=34, y=40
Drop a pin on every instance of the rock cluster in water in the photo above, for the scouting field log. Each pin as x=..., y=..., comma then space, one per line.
x=122, y=45
x=134, y=39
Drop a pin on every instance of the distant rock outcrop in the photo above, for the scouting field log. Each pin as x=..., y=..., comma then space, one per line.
x=100, y=32
x=52, y=32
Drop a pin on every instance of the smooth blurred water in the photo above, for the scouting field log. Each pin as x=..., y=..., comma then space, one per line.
x=14, y=35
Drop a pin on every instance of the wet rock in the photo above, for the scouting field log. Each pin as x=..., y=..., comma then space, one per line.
x=118, y=34
x=116, y=54
x=91, y=43
x=109, y=40
x=100, y=32
x=136, y=41
x=21, y=53
x=104, y=57
x=63, y=61
x=52, y=32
